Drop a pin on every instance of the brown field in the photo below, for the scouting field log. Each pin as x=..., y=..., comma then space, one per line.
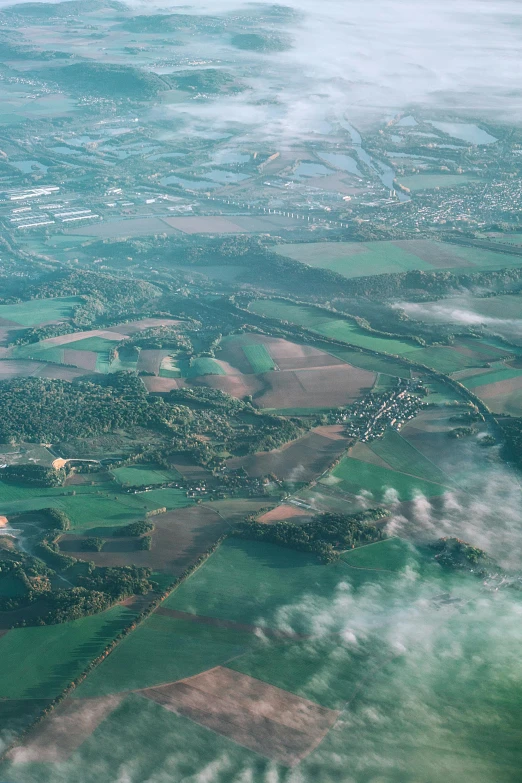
x=268, y=720
x=61, y=373
x=265, y=223
x=57, y=737
x=12, y=368
x=236, y=385
x=23, y=368
x=500, y=388
x=239, y=224
x=283, y=512
x=363, y=453
x=133, y=227
x=325, y=387
x=306, y=376
x=63, y=339
x=332, y=431
x=179, y=537
x=236, y=509
x=86, y=360
x=150, y=360
x=162, y=385
x=189, y=469
x=470, y=372
x=79, y=479
x=432, y=252
x=335, y=183
x=286, y=355
x=204, y=225
x=428, y=432
x=503, y=396
x=301, y=460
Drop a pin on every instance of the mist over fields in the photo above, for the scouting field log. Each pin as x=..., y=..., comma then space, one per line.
x=273, y=423
x=361, y=61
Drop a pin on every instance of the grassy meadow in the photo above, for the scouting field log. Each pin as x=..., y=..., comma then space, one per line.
x=372, y=642
x=40, y=311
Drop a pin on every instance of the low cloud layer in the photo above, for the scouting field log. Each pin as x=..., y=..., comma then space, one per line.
x=361, y=61
x=461, y=310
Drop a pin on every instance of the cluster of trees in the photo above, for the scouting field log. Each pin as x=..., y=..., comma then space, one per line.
x=135, y=529
x=324, y=535
x=33, y=475
x=461, y=432
x=28, y=579
x=103, y=294
x=92, y=589
x=92, y=544
x=458, y=554
x=205, y=397
x=512, y=431
x=54, y=518
x=43, y=410
x=172, y=337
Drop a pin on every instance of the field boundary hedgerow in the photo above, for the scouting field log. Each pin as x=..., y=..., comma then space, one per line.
x=133, y=625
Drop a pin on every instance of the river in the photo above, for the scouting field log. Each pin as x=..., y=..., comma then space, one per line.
x=385, y=173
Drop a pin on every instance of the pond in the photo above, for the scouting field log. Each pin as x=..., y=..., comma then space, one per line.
x=342, y=162
x=407, y=122
x=225, y=176
x=29, y=166
x=230, y=157
x=311, y=170
x=385, y=173
x=196, y=184
x=465, y=131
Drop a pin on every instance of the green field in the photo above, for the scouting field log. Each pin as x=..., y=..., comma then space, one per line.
x=169, y=368
x=161, y=650
x=354, y=476
x=247, y=581
x=203, y=366
x=40, y=352
x=139, y=475
x=40, y=311
x=355, y=259
x=95, y=344
x=491, y=377
x=384, y=383
x=509, y=239
x=17, y=714
x=160, y=746
x=123, y=365
x=402, y=456
x=360, y=259
x=101, y=506
x=324, y=672
x=47, y=352
x=38, y=662
x=443, y=359
x=427, y=692
x=486, y=259
x=366, y=361
x=392, y=554
x=258, y=358
x=331, y=325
